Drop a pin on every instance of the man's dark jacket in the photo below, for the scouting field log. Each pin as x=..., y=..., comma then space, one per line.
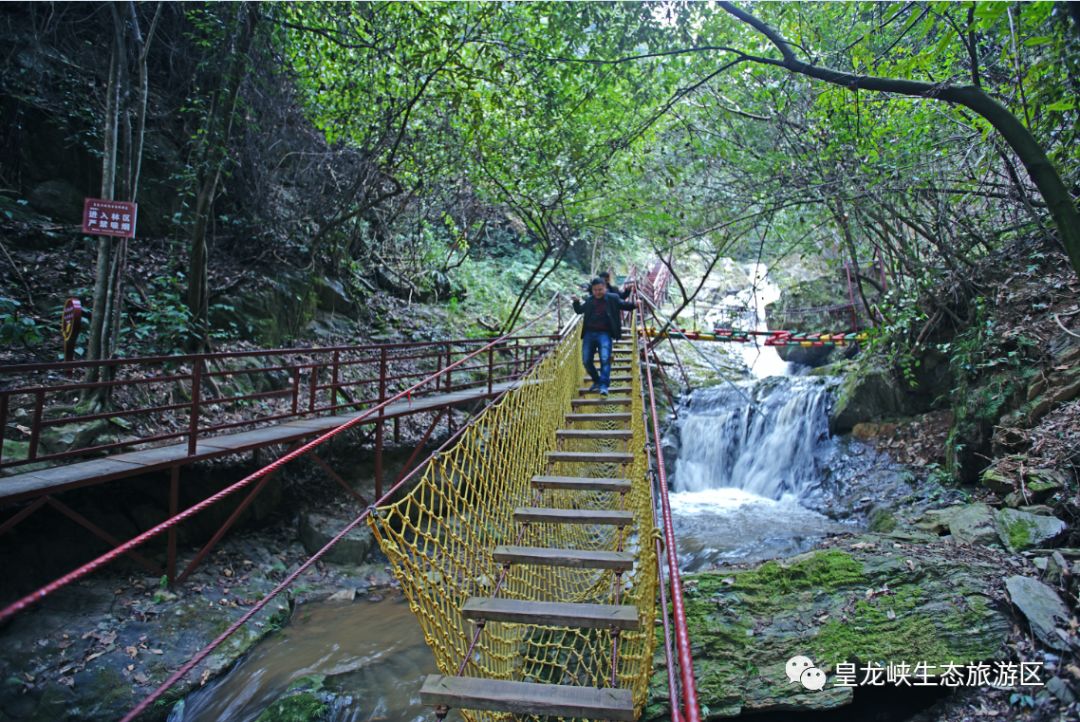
x=613, y=304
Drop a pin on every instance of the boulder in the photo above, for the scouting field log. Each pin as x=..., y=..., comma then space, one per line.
x=997, y=481
x=869, y=393
x=1020, y=530
x=865, y=600
x=1042, y=607
x=317, y=529
x=57, y=199
x=974, y=524
x=333, y=297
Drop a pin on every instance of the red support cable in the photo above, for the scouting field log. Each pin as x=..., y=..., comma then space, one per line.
x=691, y=710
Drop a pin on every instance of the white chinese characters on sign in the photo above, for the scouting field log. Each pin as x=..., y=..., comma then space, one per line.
x=109, y=218
x=998, y=674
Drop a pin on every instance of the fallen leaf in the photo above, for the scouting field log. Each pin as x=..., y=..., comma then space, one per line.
x=205, y=677
x=132, y=652
x=141, y=677
x=67, y=681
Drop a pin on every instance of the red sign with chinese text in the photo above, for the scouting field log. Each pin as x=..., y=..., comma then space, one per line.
x=108, y=218
x=70, y=324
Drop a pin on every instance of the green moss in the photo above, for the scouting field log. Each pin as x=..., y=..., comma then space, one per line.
x=897, y=628
x=302, y=707
x=882, y=521
x=1017, y=531
x=824, y=571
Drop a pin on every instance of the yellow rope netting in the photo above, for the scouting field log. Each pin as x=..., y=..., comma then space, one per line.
x=440, y=537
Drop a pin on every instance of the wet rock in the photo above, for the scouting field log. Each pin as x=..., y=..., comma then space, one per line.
x=974, y=524
x=997, y=481
x=866, y=431
x=868, y=394
x=1060, y=689
x=1021, y=530
x=859, y=602
x=881, y=520
x=317, y=529
x=1042, y=607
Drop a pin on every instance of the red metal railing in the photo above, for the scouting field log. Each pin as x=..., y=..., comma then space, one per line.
x=690, y=711
x=153, y=400
x=247, y=481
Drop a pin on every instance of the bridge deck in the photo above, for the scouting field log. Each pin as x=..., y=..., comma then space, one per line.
x=34, y=483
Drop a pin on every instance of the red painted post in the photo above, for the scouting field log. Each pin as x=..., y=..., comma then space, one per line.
x=174, y=504
x=851, y=296
x=449, y=360
x=491, y=359
x=3, y=423
x=335, y=370
x=379, y=425
x=35, y=425
x=296, y=390
x=193, y=417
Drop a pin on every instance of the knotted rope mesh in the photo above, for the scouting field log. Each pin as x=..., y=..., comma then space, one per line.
x=439, y=538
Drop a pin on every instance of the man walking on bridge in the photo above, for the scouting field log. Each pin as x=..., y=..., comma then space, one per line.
x=602, y=326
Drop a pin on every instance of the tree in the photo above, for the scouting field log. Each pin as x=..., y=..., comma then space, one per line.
x=1022, y=142
x=123, y=132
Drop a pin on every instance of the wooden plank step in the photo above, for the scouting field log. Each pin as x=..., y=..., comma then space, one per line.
x=553, y=557
x=611, y=390
x=551, y=614
x=594, y=434
x=623, y=400
x=597, y=457
x=614, y=377
x=581, y=483
x=528, y=698
x=620, y=416
x=573, y=516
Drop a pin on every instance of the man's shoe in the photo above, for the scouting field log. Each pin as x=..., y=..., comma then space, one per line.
x=603, y=390
x=591, y=389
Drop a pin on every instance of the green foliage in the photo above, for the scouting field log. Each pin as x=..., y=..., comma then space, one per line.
x=161, y=322
x=16, y=327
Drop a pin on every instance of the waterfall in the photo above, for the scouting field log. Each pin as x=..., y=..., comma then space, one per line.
x=768, y=451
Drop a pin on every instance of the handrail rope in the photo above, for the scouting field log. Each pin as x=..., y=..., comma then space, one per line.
x=657, y=537
x=224, y=355
x=244, y=618
x=692, y=711
x=154, y=531
x=714, y=367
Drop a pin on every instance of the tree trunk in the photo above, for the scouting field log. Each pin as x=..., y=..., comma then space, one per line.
x=214, y=153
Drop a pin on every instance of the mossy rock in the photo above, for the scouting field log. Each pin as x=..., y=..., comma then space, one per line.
x=869, y=392
x=861, y=602
x=299, y=707
x=1020, y=530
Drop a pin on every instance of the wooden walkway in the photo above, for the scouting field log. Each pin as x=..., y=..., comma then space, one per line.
x=30, y=484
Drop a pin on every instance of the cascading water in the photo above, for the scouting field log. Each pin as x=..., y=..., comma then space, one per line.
x=745, y=472
x=768, y=448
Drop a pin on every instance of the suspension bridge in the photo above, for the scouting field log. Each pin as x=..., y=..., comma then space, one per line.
x=535, y=546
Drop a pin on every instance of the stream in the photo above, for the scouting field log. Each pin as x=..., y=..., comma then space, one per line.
x=372, y=654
